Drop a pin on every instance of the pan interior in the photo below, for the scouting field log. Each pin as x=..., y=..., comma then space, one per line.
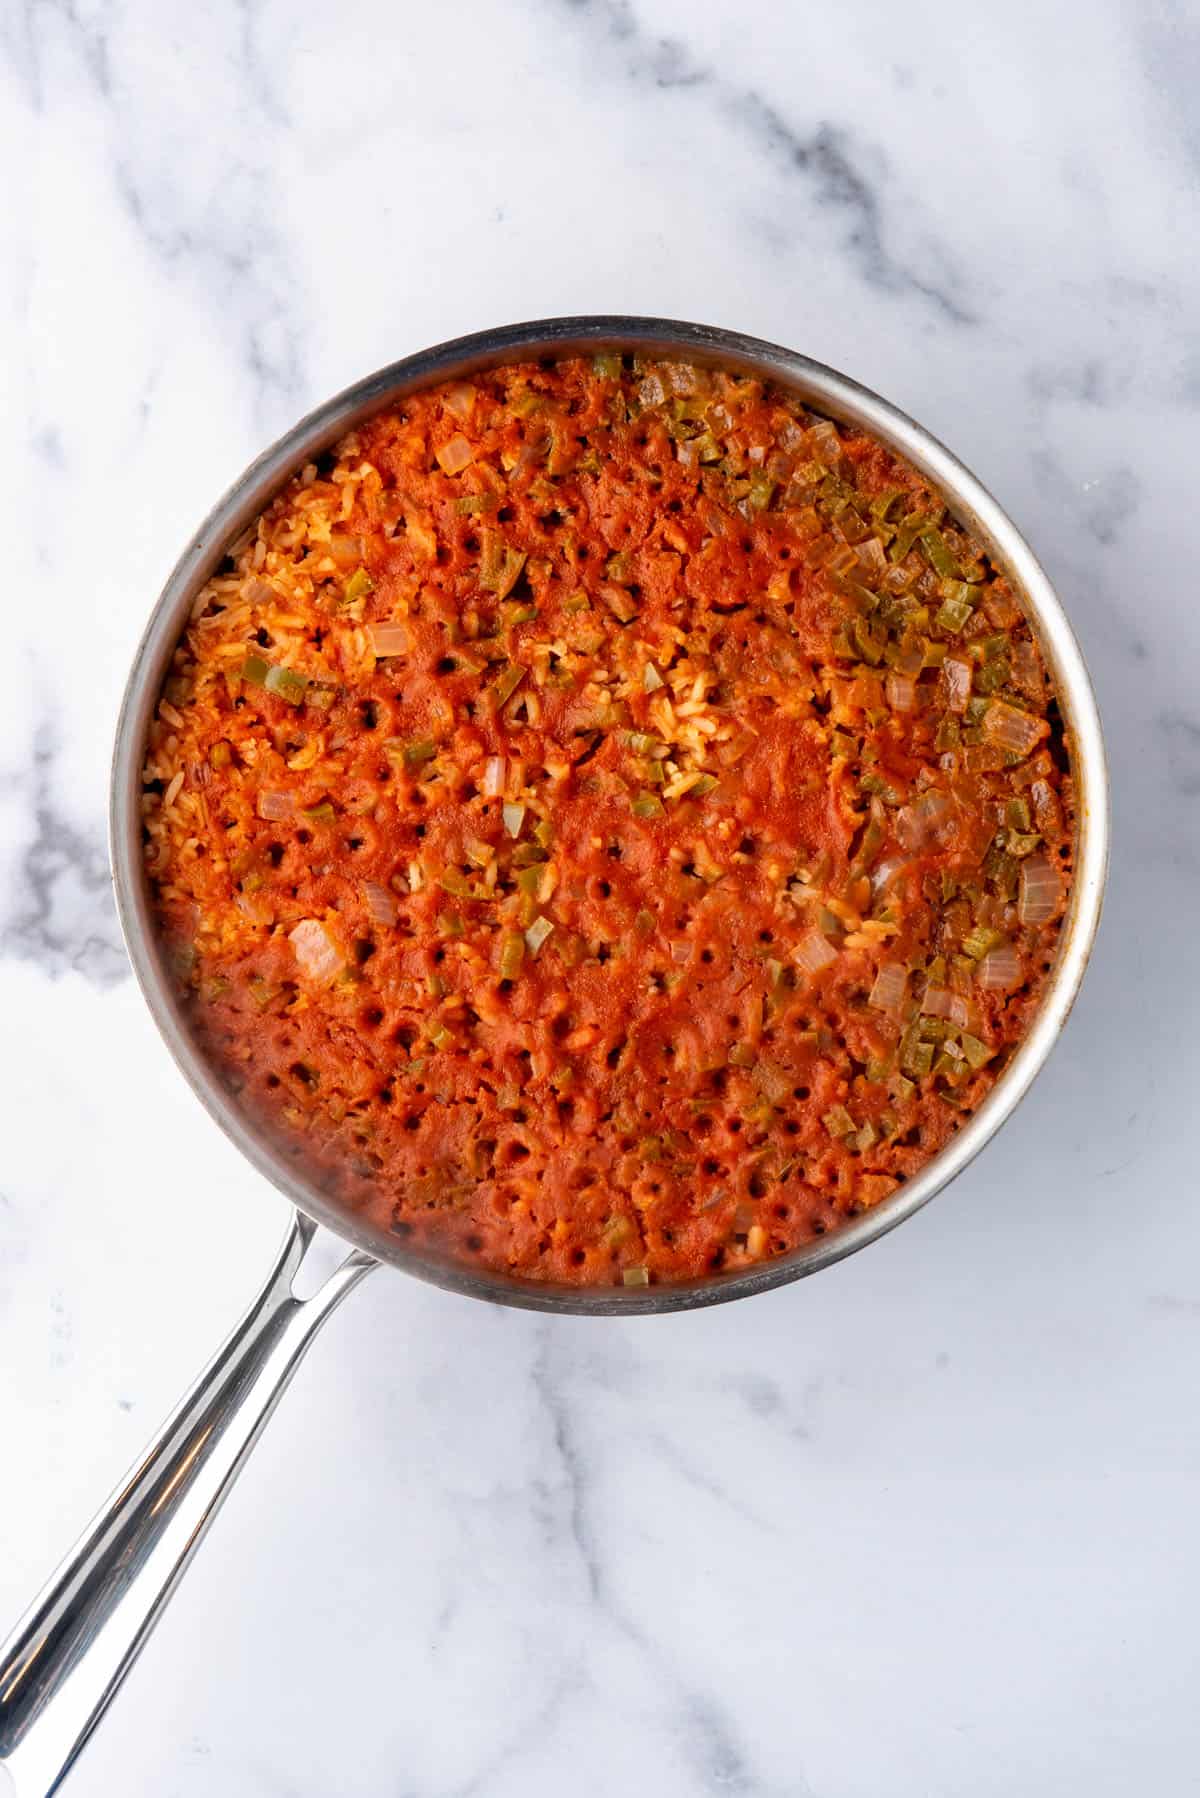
x=826, y=391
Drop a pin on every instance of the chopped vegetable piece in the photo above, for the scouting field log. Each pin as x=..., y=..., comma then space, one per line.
x=416, y=754
x=651, y=678
x=621, y=603
x=980, y=940
x=285, y=684
x=357, y=587
x=275, y=806
x=636, y=1276
x=814, y=953
x=255, y=670
x=456, y=454
x=952, y=614
x=380, y=902
x=917, y=1057
x=646, y=805
x=514, y=817
x=537, y=933
x=390, y=639
x=460, y=400
x=495, y=776
x=887, y=994
x=957, y=673
x=1041, y=891
x=838, y=1121
x=510, y=572
x=926, y=821
x=938, y=551
x=512, y=954
x=317, y=954
x=909, y=530
x=507, y=682
x=1011, y=729
x=1000, y=970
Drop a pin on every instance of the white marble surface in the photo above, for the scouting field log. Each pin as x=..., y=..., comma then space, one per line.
x=923, y=1526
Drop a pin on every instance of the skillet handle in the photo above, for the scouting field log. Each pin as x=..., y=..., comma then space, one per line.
x=68, y=1655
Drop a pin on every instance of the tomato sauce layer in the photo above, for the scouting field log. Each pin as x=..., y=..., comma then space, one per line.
x=609, y=822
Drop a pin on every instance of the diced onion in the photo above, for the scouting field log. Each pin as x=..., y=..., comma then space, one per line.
x=514, y=817
x=871, y=555
x=824, y=444
x=389, y=639
x=887, y=994
x=1000, y=970
x=1027, y=669
x=651, y=678
x=957, y=675
x=275, y=806
x=316, y=951
x=1047, y=812
x=902, y=692
x=494, y=775
x=887, y=872
x=455, y=455
x=1041, y=890
x=937, y=1002
x=814, y=953
x=380, y=903
x=1011, y=729
x=460, y=400
x=962, y=1012
x=346, y=551
x=537, y=933
x=925, y=820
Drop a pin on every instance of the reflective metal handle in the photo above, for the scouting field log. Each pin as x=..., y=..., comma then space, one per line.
x=69, y=1654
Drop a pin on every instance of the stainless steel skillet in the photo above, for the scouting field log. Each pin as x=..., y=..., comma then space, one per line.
x=67, y=1657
